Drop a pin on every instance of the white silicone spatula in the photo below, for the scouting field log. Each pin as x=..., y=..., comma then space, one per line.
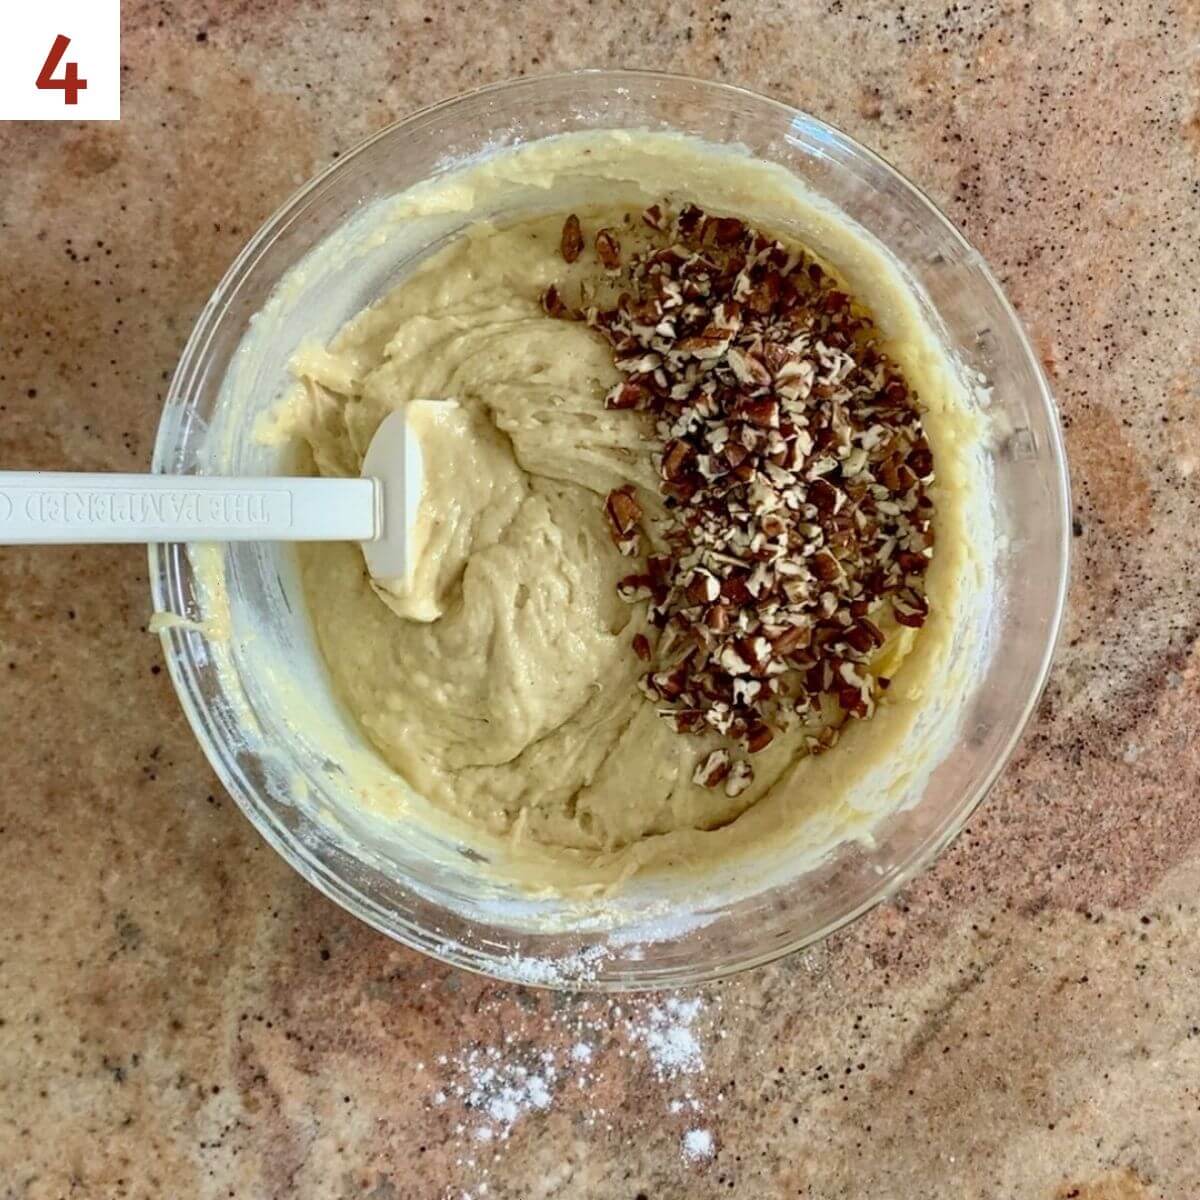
x=378, y=509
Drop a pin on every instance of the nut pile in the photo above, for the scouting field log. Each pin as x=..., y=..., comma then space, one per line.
x=794, y=471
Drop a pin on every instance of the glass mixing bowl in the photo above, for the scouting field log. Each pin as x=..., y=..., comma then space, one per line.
x=295, y=792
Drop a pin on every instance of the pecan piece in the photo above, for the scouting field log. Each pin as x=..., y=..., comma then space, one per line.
x=864, y=636
x=653, y=216
x=764, y=295
x=704, y=345
x=725, y=230
x=717, y=618
x=921, y=461
x=713, y=770
x=912, y=564
x=688, y=220
x=758, y=737
x=825, y=496
x=623, y=509
x=672, y=683
x=688, y=720
x=553, y=304
x=660, y=568
x=748, y=368
x=734, y=590
x=760, y=411
x=572, y=239
x=741, y=776
x=627, y=394
x=910, y=607
x=819, y=743
x=825, y=567
x=703, y=588
x=735, y=454
x=795, y=638
x=676, y=456
x=624, y=512
x=608, y=249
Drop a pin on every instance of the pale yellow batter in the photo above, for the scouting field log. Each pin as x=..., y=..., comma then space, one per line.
x=501, y=685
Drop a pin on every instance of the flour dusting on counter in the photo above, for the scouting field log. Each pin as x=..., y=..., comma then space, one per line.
x=575, y=1058
x=667, y=1033
x=697, y=1145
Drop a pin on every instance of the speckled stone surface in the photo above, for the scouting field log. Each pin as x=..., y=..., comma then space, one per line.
x=181, y=1016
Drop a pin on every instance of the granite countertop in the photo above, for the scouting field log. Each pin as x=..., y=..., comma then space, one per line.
x=181, y=1016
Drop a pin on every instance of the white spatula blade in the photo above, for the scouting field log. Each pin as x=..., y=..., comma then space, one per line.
x=395, y=460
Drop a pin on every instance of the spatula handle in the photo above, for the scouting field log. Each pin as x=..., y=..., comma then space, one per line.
x=43, y=507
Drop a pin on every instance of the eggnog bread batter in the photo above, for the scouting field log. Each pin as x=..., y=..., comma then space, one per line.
x=501, y=684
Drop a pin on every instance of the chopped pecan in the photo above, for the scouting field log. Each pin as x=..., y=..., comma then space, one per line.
x=713, y=770
x=608, y=249
x=660, y=567
x=725, y=230
x=793, y=465
x=676, y=456
x=624, y=511
x=797, y=637
x=572, y=239
x=735, y=454
x=825, y=566
x=553, y=304
x=749, y=368
x=910, y=607
x=761, y=411
x=819, y=743
x=627, y=394
x=703, y=588
x=764, y=295
x=734, y=590
x=825, y=496
x=703, y=345
x=673, y=682
x=921, y=461
x=717, y=618
x=864, y=636
x=758, y=737
x=741, y=776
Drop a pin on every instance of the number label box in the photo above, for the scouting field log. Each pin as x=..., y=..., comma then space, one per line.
x=60, y=60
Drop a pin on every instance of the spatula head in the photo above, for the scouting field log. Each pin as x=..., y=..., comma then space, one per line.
x=395, y=461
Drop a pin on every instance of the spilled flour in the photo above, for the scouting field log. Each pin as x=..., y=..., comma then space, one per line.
x=549, y=972
x=669, y=1039
x=502, y=1091
x=579, y=1053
